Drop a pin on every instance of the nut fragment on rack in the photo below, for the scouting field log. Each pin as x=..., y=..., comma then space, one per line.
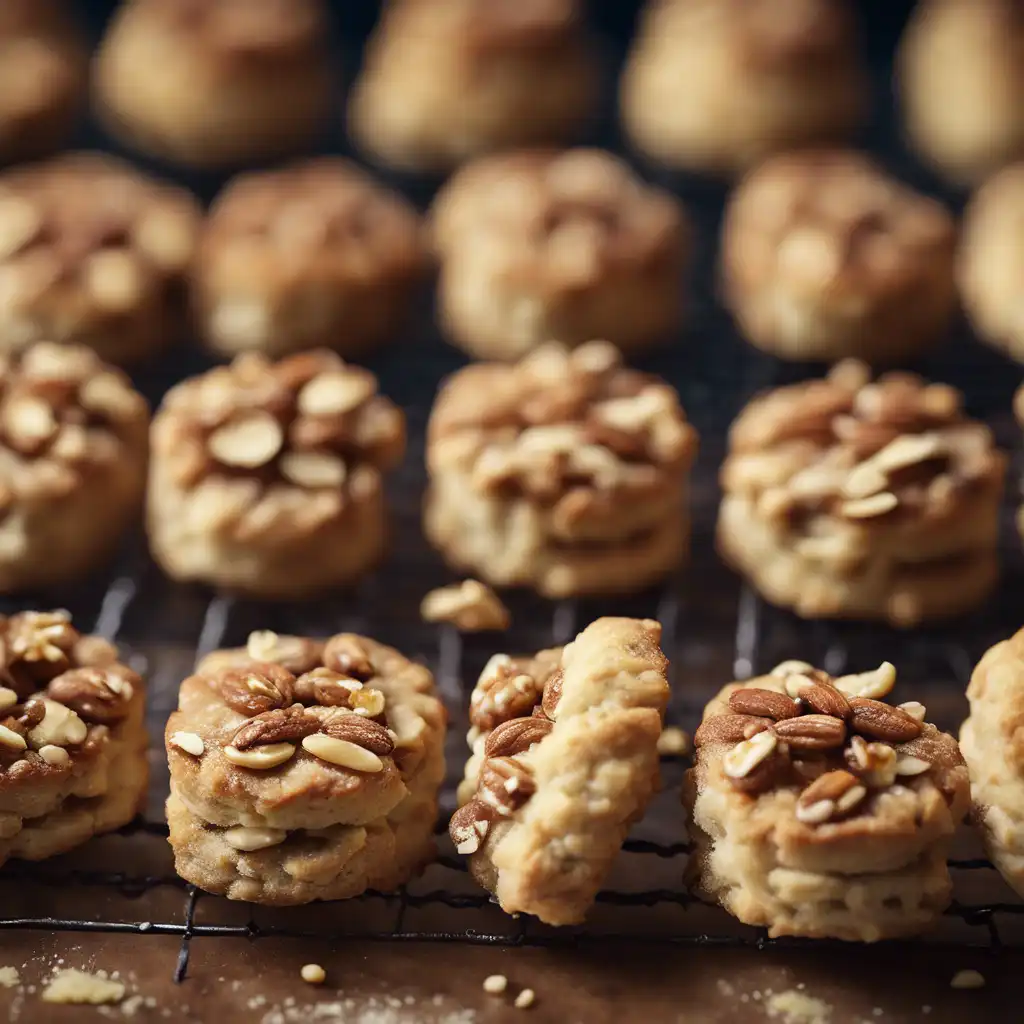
x=824, y=256
x=279, y=759
x=565, y=472
x=226, y=504
x=314, y=254
x=797, y=455
x=313, y=974
x=215, y=83
x=567, y=245
x=470, y=606
x=75, y=269
x=445, y=80
x=861, y=825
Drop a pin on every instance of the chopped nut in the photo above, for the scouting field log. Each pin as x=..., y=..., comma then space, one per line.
x=261, y=758
x=95, y=694
x=911, y=766
x=469, y=827
x=788, y=668
x=249, y=839
x=502, y=693
x=495, y=984
x=505, y=784
x=313, y=470
x=729, y=729
x=342, y=753
x=60, y=726
x=748, y=754
x=876, y=684
x=821, y=696
x=190, y=742
x=915, y=709
x=8, y=698
x=248, y=442
x=673, y=742
x=470, y=606
x=313, y=974
x=54, y=756
x=10, y=739
x=333, y=393
x=875, y=763
x=525, y=999
x=831, y=796
x=367, y=701
x=348, y=655
x=967, y=979
x=870, y=507
x=28, y=423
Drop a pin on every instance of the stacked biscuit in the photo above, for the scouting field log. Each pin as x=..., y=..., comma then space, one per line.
x=846, y=498
x=820, y=809
x=565, y=472
x=72, y=737
x=304, y=770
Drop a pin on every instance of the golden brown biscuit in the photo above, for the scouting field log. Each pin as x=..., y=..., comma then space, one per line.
x=821, y=810
x=572, y=245
x=267, y=478
x=215, y=83
x=445, y=80
x=825, y=256
x=564, y=472
x=304, y=769
x=844, y=498
x=565, y=758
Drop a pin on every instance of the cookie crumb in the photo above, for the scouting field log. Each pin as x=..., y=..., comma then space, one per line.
x=525, y=999
x=71, y=986
x=9, y=977
x=967, y=979
x=673, y=742
x=797, y=1008
x=470, y=606
x=495, y=984
x=313, y=974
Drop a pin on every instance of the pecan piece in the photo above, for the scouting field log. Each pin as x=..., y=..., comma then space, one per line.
x=347, y=654
x=363, y=732
x=881, y=721
x=325, y=687
x=516, y=736
x=259, y=688
x=503, y=693
x=812, y=733
x=469, y=826
x=874, y=763
x=819, y=695
x=729, y=729
x=505, y=784
x=98, y=695
x=755, y=765
x=830, y=797
x=281, y=725
x=552, y=694
x=752, y=700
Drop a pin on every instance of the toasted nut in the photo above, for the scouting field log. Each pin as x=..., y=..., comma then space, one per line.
x=326, y=688
x=552, y=695
x=20, y=222
x=822, y=696
x=95, y=694
x=248, y=839
x=870, y=507
x=313, y=974
x=505, y=784
x=516, y=736
x=469, y=826
x=875, y=763
x=502, y=693
x=297, y=654
x=525, y=999
x=348, y=655
x=110, y=395
x=335, y=392
x=12, y=740
x=247, y=442
x=470, y=606
x=911, y=766
x=864, y=481
x=752, y=700
x=190, y=742
x=876, y=684
x=254, y=691
x=263, y=757
x=313, y=470
x=812, y=732
x=915, y=709
x=8, y=698
x=367, y=701
x=881, y=721
x=831, y=796
x=278, y=726
x=748, y=754
x=114, y=279
x=729, y=729
x=28, y=422
x=342, y=753
x=361, y=731
x=60, y=726
x=53, y=755
x=789, y=668
x=495, y=984
x=167, y=237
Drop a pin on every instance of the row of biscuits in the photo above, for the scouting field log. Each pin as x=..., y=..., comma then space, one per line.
x=214, y=83
x=566, y=472
x=307, y=770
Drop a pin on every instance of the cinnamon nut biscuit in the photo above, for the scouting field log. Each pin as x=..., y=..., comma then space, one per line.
x=571, y=245
x=990, y=739
x=565, y=758
x=92, y=252
x=74, y=438
x=43, y=67
x=844, y=498
x=445, y=80
x=756, y=76
x=961, y=84
x=314, y=254
x=825, y=256
x=304, y=769
x=821, y=810
x=565, y=472
x=267, y=478
x=215, y=83
x=991, y=261
x=72, y=737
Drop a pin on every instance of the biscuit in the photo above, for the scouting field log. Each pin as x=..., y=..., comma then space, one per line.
x=569, y=245
x=565, y=759
x=564, y=472
x=304, y=770
x=822, y=811
x=844, y=498
x=267, y=478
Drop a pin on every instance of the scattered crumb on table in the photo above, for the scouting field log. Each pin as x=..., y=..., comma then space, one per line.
x=967, y=979
x=9, y=977
x=71, y=986
x=495, y=984
x=795, y=1007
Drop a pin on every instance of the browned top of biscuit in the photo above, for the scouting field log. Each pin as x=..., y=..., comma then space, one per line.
x=832, y=222
x=309, y=422
x=63, y=700
x=87, y=232
x=559, y=220
x=324, y=217
x=561, y=427
x=64, y=416
x=873, y=454
x=834, y=760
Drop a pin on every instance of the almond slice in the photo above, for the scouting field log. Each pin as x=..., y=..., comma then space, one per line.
x=248, y=442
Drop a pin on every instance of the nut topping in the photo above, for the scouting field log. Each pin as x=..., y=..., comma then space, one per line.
x=274, y=727
x=875, y=763
x=516, y=736
x=881, y=721
x=552, y=695
x=915, y=709
x=729, y=729
x=503, y=693
x=876, y=684
x=470, y=606
x=911, y=765
x=363, y=732
x=750, y=763
x=821, y=696
x=248, y=838
x=10, y=739
x=505, y=784
x=342, y=753
x=347, y=654
x=60, y=726
x=830, y=797
x=326, y=688
x=367, y=701
x=190, y=742
x=95, y=694
x=258, y=689
x=248, y=442
x=752, y=700
x=789, y=668
x=260, y=758
x=812, y=733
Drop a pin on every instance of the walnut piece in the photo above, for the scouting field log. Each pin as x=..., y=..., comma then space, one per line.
x=470, y=606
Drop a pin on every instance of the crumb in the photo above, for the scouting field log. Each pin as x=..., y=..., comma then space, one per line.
x=877, y=1011
x=470, y=606
x=313, y=974
x=132, y=1004
x=725, y=988
x=967, y=979
x=673, y=742
x=797, y=1008
x=525, y=999
x=9, y=977
x=71, y=986
x=495, y=984
x=256, y=1002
